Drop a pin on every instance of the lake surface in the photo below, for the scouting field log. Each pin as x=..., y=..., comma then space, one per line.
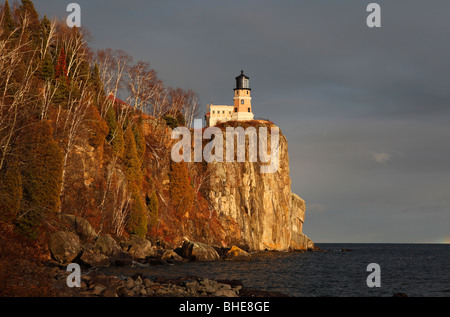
x=418, y=270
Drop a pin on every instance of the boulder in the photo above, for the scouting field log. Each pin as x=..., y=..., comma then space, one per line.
x=237, y=254
x=64, y=246
x=121, y=259
x=139, y=248
x=196, y=251
x=106, y=245
x=170, y=255
x=81, y=226
x=94, y=259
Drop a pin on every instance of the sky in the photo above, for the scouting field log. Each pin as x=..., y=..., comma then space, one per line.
x=366, y=111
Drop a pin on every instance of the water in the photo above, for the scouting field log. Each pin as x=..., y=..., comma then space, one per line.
x=419, y=270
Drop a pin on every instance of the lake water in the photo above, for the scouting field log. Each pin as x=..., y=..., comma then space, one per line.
x=418, y=270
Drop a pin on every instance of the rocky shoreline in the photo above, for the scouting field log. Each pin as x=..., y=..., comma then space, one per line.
x=96, y=284
x=94, y=252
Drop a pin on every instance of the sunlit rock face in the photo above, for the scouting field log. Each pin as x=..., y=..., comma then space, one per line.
x=269, y=215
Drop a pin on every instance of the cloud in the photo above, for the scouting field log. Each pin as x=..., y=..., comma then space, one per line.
x=381, y=158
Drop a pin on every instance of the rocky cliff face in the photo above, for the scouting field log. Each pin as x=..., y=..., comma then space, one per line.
x=269, y=215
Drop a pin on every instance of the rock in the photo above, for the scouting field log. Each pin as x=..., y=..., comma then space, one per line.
x=121, y=259
x=225, y=293
x=81, y=226
x=106, y=245
x=138, y=247
x=94, y=259
x=98, y=289
x=170, y=255
x=237, y=254
x=64, y=246
x=196, y=251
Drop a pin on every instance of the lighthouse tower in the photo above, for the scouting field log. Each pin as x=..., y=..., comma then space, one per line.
x=242, y=109
x=242, y=99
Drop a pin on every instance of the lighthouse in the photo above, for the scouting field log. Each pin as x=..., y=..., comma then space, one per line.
x=242, y=108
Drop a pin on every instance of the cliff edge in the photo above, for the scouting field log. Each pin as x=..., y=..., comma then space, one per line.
x=269, y=215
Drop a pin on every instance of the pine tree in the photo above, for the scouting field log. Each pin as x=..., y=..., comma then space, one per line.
x=8, y=24
x=153, y=206
x=10, y=191
x=181, y=190
x=41, y=172
x=130, y=160
x=62, y=81
x=137, y=221
x=139, y=138
x=34, y=27
x=115, y=134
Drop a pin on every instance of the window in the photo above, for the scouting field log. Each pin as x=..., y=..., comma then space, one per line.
x=229, y=112
x=247, y=92
x=242, y=101
x=223, y=112
x=235, y=109
x=213, y=112
x=249, y=110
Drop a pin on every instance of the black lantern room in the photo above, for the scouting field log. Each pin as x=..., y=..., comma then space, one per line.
x=242, y=82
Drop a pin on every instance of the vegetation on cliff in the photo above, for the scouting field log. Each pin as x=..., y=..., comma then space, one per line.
x=68, y=144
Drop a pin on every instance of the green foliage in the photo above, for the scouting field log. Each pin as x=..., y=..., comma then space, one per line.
x=180, y=119
x=42, y=164
x=131, y=162
x=47, y=71
x=153, y=206
x=10, y=191
x=115, y=134
x=137, y=222
x=171, y=121
x=181, y=190
x=138, y=132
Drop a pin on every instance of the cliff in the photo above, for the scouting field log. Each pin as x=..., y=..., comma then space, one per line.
x=268, y=214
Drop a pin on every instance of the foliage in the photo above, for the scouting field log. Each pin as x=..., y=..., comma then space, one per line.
x=7, y=22
x=171, y=121
x=181, y=190
x=41, y=171
x=153, y=206
x=137, y=222
x=10, y=191
x=132, y=166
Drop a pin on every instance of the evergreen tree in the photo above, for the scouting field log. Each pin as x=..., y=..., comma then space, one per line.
x=41, y=172
x=153, y=206
x=130, y=160
x=62, y=81
x=10, y=191
x=115, y=134
x=181, y=190
x=8, y=24
x=139, y=138
x=34, y=27
x=137, y=221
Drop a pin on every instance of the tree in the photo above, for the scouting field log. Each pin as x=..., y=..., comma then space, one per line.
x=131, y=162
x=41, y=174
x=181, y=190
x=137, y=222
x=10, y=191
x=8, y=25
x=153, y=206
